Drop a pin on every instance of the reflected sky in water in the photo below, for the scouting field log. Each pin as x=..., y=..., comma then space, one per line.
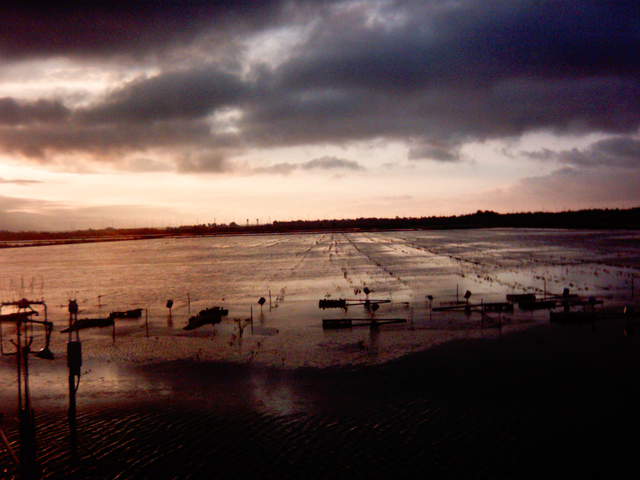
x=293, y=272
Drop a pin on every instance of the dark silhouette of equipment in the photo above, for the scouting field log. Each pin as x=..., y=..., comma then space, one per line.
x=73, y=307
x=28, y=464
x=74, y=365
x=207, y=316
x=332, y=303
x=430, y=298
x=345, y=303
x=84, y=323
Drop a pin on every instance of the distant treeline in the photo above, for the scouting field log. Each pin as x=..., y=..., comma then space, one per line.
x=583, y=219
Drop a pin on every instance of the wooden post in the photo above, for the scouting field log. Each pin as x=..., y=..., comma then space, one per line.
x=146, y=321
x=269, y=299
x=188, y=303
x=71, y=412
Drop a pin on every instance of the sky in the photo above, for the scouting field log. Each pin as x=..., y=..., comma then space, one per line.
x=131, y=114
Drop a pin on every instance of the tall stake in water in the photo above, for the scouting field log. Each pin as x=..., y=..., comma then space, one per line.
x=74, y=363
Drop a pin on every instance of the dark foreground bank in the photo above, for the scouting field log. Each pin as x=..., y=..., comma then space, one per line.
x=551, y=401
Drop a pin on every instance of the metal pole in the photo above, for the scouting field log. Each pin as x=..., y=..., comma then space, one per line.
x=73, y=364
x=25, y=351
x=19, y=363
x=29, y=465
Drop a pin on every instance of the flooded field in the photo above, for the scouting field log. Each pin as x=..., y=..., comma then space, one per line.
x=292, y=273
x=240, y=389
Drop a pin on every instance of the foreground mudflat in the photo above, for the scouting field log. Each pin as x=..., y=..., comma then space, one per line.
x=559, y=400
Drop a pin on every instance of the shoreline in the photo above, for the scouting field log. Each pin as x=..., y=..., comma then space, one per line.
x=591, y=219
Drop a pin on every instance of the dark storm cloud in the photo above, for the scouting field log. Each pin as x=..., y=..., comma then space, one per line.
x=120, y=27
x=439, y=153
x=323, y=163
x=472, y=42
x=102, y=141
x=14, y=112
x=184, y=94
x=465, y=70
x=433, y=74
x=621, y=152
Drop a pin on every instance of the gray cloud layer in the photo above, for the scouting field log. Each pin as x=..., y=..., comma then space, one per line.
x=431, y=73
x=322, y=163
x=620, y=152
x=15, y=113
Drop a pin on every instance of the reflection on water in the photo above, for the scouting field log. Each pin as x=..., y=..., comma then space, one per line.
x=292, y=272
x=273, y=395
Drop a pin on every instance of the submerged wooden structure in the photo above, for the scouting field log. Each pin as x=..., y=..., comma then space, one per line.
x=207, y=316
x=133, y=313
x=84, y=323
x=537, y=305
x=338, y=323
x=344, y=302
x=497, y=307
x=521, y=297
